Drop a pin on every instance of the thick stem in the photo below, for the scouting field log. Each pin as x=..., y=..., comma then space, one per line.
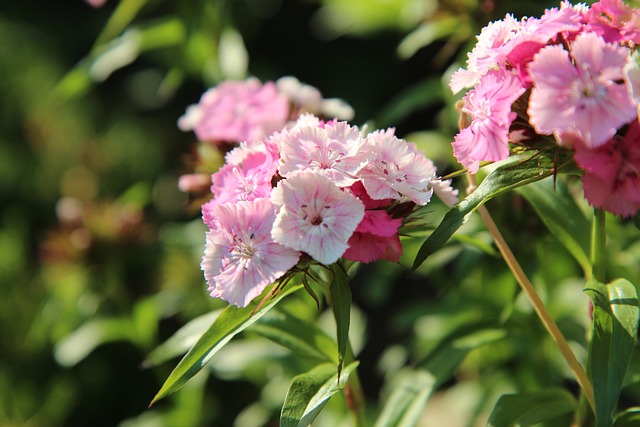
x=539, y=307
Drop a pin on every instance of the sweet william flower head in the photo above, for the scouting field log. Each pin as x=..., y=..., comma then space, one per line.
x=489, y=106
x=236, y=111
x=241, y=258
x=332, y=149
x=397, y=170
x=612, y=173
x=315, y=216
x=580, y=95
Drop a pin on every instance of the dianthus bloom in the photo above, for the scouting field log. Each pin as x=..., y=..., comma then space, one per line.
x=612, y=173
x=489, y=105
x=571, y=76
x=237, y=111
x=580, y=93
x=241, y=258
x=332, y=193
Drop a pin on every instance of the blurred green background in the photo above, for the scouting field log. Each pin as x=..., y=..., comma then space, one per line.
x=100, y=252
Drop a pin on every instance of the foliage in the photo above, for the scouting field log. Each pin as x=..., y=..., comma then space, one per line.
x=105, y=309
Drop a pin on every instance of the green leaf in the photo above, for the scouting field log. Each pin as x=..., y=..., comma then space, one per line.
x=420, y=95
x=341, y=306
x=231, y=321
x=405, y=405
x=563, y=217
x=628, y=418
x=615, y=328
x=298, y=335
x=80, y=343
x=531, y=408
x=502, y=179
x=430, y=31
x=184, y=338
x=309, y=392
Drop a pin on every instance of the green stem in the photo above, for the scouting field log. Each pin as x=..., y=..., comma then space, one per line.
x=598, y=242
x=546, y=319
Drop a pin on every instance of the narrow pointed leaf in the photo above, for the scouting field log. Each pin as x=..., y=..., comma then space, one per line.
x=562, y=216
x=341, y=305
x=502, y=179
x=298, y=335
x=231, y=321
x=405, y=405
x=628, y=418
x=180, y=342
x=406, y=402
x=309, y=392
x=531, y=408
x=615, y=328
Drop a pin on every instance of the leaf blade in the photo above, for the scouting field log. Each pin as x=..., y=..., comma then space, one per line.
x=531, y=408
x=615, y=328
x=309, y=392
x=231, y=321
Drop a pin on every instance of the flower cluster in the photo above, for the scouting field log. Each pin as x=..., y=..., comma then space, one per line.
x=571, y=76
x=314, y=191
x=246, y=111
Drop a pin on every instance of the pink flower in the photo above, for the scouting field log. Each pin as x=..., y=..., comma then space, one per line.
x=580, y=95
x=612, y=173
x=486, y=54
x=333, y=150
x=241, y=258
x=615, y=21
x=237, y=111
x=315, y=216
x=376, y=237
x=511, y=43
x=247, y=177
x=398, y=170
x=489, y=105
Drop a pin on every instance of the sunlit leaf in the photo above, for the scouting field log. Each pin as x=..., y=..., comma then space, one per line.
x=615, y=328
x=231, y=321
x=309, y=392
x=406, y=403
x=298, y=335
x=429, y=32
x=503, y=179
x=628, y=418
x=564, y=218
x=92, y=334
x=180, y=342
x=531, y=408
x=341, y=305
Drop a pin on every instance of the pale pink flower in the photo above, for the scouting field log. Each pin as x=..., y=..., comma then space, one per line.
x=398, y=170
x=194, y=182
x=333, y=150
x=581, y=94
x=489, y=105
x=615, y=21
x=511, y=43
x=308, y=99
x=247, y=175
x=241, y=258
x=612, y=173
x=486, y=54
x=315, y=216
x=444, y=191
x=237, y=111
